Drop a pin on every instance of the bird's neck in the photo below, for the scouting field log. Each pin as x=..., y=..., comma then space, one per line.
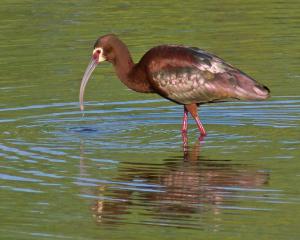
x=132, y=75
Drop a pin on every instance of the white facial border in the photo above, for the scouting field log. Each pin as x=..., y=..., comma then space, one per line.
x=101, y=56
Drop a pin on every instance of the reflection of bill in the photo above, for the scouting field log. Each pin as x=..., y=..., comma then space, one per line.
x=181, y=186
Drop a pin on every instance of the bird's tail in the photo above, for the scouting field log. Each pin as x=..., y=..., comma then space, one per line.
x=249, y=89
x=262, y=91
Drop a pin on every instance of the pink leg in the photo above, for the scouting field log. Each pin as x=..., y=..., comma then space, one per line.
x=193, y=109
x=200, y=126
x=185, y=121
x=184, y=128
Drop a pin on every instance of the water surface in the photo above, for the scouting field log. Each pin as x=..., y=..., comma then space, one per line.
x=121, y=171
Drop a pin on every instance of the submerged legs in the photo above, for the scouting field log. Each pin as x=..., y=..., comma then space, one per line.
x=192, y=109
x=184, y=128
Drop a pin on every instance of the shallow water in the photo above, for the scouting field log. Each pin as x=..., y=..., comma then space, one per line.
x=121, y=171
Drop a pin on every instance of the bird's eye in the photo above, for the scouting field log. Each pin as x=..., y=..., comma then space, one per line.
x=98, y=51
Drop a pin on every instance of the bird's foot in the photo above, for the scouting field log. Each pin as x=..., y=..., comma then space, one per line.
x=183, y=131
x=204, y=134
x=201, y=137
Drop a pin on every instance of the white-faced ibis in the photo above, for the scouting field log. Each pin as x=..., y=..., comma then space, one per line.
x=185, y=75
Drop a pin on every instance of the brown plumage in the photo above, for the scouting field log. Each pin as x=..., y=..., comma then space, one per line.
x=185, y=75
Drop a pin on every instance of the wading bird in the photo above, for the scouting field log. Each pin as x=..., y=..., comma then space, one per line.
x=185, y=75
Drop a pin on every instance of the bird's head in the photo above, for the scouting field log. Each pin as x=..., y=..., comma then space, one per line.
x=103, y=51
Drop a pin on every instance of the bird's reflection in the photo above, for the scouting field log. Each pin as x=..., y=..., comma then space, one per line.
x=179, y=186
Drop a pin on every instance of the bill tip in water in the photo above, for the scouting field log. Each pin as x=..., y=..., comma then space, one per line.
x=81, y=109
x=82, y=112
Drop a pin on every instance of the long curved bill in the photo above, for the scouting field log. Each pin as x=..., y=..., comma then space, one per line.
x=88, y=72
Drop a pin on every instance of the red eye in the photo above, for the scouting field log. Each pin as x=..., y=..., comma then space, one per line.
x=96, y=54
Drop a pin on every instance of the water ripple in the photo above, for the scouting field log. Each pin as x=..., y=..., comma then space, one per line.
x=120, y=158
x=17, y=178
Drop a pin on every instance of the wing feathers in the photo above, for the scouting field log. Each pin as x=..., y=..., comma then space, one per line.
x=191, y=75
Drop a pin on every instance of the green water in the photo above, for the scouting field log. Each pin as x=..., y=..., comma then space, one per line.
x=120, y=172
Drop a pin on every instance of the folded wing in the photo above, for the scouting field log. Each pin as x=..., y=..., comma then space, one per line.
x=191, y=75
